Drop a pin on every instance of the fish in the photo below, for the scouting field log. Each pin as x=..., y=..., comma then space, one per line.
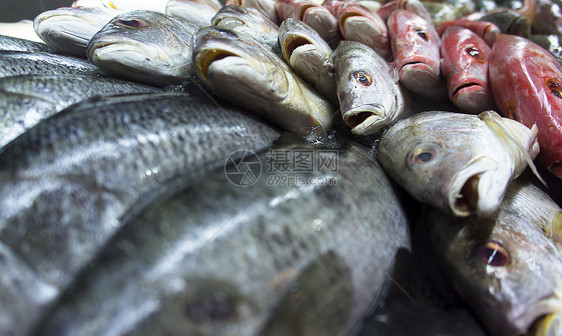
x=198, y=12
x=313, y=14
x=459, y=163
x=69, y=29
x=368, y=91
x=464, y=63
x=506, y=267
x=309, y=56
x=14, y=63
x=145, y=47
x=124, y=5
x=415, y=46
x=530, y=92
x=509, y=22
x=67, y=181
x=22, y=29
x=266, y=7
x=306, y=267
x=237, y=68
x=356, y=23
x=28, y=99
x=486, y=30
x=10, y=43
x=250, y=22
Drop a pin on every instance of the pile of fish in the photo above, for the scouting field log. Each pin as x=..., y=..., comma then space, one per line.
x=282, y=167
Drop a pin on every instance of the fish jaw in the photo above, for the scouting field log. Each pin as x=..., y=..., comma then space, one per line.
x=473, y=96
x=365, y=119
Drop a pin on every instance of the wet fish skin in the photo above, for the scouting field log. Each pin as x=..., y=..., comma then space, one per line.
x=309, y=56
x=198, y=12
x=368, y=90
x=241, y=70
x=13, y=63
x=415, y=45
x=267, y=7
x=69, y=29
x=464, y=62
x=66, y=182
x=9, y=43
x=28, y=99
x=250, y=22
x=486, y=30
x=538, y=99
x=504, y=267
x=146, y=47
x=456, y=162
x=288, y=256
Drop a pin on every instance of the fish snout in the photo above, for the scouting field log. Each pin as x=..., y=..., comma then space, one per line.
x=365, y=119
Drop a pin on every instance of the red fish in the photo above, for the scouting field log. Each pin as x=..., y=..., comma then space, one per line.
x=413, y=6
x=486, y=30
x=415, y=45
x=465, y=66
x=526, y=83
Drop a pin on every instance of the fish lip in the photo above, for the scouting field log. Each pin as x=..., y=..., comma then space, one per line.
x=102, y=47
x=365, y=119
x=545, y=305
x=292, y=41
x=228, y=22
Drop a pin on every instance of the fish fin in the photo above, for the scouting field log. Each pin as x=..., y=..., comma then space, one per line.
x=493, y=120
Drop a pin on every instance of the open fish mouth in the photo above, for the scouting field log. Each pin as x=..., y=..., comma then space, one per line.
x=228, y=22
x=544, y=315
x=365, y=119
x=291, y=42
x=207, y=56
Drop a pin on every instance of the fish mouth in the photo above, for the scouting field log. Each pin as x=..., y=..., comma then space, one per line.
x=208, y=56
x=472, y=97
x=228, y=22
x=541, y=314
x=292, y=42
x=365, y=119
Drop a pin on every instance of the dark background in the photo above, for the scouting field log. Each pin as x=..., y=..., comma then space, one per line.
x=15, y=10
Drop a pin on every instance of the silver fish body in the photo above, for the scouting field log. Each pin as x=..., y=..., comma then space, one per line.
x=506, y=267
x=368, y=91
x=14, y=63
x=66, y=182
x=144, y=46
x=18, y=44
x=69, y=29
x=28, y=99
x=198, y=12
x=238, y=68
x=266, y=259
x=456, y=162
x=309, y=55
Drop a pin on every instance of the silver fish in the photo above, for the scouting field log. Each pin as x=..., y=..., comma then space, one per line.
x=266, y=259
x=17, y=44
x=250, y=22
x=65, y=183
x=198, y=12
x=14, y=63
x=368, y=90
x=146, y=47
x=505, y=267
x=27, y=99
x=124, y=5
x=456, y=162
x=309, y=55
x=239, y=69
x=69, y=29
x=267, y=7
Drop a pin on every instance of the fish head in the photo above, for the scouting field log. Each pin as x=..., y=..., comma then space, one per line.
x=465, y=66
x=70, y=29
x=249, y=21
x=198, y=12
x=146, y=46
x=238, y=67
x=296, y=36
x=451, y=161
x=503, y=266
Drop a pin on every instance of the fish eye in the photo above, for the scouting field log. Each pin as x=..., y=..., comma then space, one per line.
x=363, y=77
x=421, y=33
x=474, y=53
x=134, y=23
x=554, y=87
x=423, y=154
x=227, y=32
x=493, y=253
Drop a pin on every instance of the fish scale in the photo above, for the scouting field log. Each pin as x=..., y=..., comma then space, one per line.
x=25, y=63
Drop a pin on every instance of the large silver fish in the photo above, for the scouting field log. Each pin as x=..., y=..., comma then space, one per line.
x=508, y=267
x=367, y=86
x=250, y=22
x=14, y=63
x=457, y=162
x=65, y=183
x=239, y=69
x=27, y=99
x=309, y=55
x=69, y=29
x=198, y=12
x=287, y=258
x=146, y=47
x=19, y=44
